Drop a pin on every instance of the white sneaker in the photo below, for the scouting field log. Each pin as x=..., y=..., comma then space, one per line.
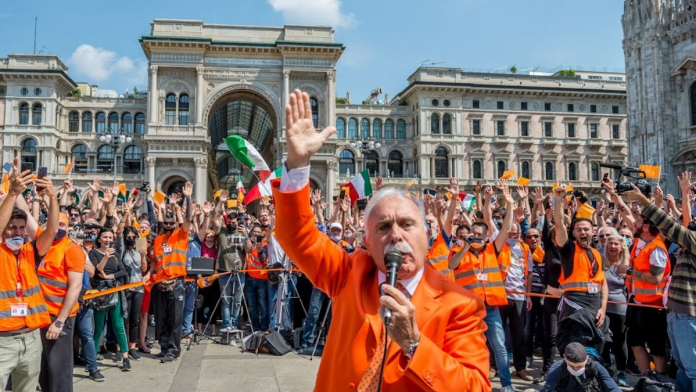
x=226, y=330
x=507, y=389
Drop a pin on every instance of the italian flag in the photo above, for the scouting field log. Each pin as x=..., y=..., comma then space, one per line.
x=262, y=189
x=240, y=185
x=247, y=155
x=359, y=187
x=468, y=201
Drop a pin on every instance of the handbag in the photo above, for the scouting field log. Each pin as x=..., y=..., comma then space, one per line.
x=103, y=302
x=275, y=344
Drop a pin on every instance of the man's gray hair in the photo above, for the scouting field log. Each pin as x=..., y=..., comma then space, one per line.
x=612, y=231
x=386, y=193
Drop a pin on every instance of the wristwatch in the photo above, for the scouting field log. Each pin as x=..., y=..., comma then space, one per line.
x=411, y=349
x=630, y=271
x=58, y=323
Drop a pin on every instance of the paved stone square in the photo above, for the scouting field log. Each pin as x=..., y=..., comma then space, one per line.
x=211, y=367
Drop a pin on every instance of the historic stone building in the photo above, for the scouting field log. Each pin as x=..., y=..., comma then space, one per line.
x=209, y=81
x=660, y=52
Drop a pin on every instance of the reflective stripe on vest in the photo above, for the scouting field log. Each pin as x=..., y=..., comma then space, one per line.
x=643, y=291
x=172, y=264
x=53, y=277
x=256, y=268
x=582, y=275
x=20, y=269
x=438, y=256
x=491, y=291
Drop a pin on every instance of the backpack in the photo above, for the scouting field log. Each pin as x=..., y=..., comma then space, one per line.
x=653, y=382
x=253, y=342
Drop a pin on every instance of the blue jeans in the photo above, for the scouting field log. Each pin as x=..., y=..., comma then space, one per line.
x=495, y=334
x=231, y=302
x=681, y=329
x=84, y=326
x=290, y=281
x=310, y=323
x=256, y=293
x=190, y=290
x=272, y=299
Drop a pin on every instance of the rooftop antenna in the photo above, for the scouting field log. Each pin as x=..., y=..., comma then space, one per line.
x=424, y=61
x=436, y=63
x=36, y=21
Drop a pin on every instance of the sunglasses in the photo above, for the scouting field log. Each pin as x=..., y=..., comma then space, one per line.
x=168, y=223
x=602, y=236
x=75, y=215
x=533, y=236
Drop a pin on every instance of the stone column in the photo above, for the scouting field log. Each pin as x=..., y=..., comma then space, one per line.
x=150, y=162
x=199, y=95
x=331, y=167
x=152, y=96
x=200, y=178
x=286, y=92
x=330, y=98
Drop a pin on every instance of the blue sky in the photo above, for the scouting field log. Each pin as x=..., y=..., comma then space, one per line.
x=386, y=40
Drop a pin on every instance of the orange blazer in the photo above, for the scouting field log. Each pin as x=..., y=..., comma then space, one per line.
x=452, y=353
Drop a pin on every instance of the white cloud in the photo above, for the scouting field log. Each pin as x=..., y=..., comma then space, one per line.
x=321, y=12
x=99, y=65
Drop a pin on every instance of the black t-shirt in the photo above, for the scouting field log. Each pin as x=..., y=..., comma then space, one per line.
x=112, y=266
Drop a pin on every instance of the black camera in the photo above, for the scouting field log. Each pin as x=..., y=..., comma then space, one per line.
x=145, y=186
x=638, y=179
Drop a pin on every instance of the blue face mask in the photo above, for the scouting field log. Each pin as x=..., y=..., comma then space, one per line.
x=14, y=243
x=91, y=237
x=511, y=241
x=628, y=242
x=60, y=235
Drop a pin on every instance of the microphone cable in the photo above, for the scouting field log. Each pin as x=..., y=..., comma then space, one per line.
x=384, y=358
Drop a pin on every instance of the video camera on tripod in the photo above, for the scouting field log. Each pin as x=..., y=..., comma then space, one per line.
x=638, y=179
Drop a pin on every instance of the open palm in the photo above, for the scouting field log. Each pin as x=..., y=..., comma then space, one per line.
x=302, y=139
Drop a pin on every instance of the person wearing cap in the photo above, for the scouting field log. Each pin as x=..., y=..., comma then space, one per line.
x=577, y=372
x=60, y=277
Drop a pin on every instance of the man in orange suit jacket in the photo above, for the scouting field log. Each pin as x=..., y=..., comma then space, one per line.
x=436, y=336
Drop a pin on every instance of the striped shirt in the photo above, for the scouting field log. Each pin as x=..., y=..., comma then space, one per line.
x=682, y=289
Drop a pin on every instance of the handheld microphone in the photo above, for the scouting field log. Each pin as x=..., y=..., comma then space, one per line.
x=392, y=261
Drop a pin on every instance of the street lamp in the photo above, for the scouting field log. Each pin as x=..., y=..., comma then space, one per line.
x=365, y=145
x=115, y=140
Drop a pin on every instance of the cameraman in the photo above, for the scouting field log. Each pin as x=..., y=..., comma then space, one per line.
x=681, y=321
x=231, y=254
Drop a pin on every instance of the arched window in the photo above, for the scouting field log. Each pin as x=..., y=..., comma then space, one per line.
x=595, y=172
x=87, y=122
x=692, y=96
x=314, y=104
x=434, y=123
x=36, y=112
x=395, y=164
x=100, y=122
x=346, y=163
x=183, y=109
x=441, y=163
x=549, y=172
x=447, y=124
x=364, y=128
x=79, y=152
x=140, y=123
x=132, y=159
x=572, y=172
x=105, y=159
x=23, y=113
x=501, y=168
x=352, y=128
x=389, y=129
x=29, y=151
x=170, y=109
x=526, y=173
x=377, y=128
x=127, y=122
x=401, y=129
x=73, y=121
x=478, y=169
x=372, y=163
x=341, y=128
x=113, y=122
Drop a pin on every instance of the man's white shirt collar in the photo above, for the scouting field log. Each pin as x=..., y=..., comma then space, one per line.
x=409, y=284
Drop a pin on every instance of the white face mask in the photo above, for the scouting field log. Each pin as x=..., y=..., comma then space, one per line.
x=335, y=238
x=576, y=373
x=14, y=243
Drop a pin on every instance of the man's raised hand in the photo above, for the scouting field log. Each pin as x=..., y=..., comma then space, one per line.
x=302, y=139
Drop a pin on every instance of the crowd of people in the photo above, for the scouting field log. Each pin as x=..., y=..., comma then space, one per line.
x=84, y=272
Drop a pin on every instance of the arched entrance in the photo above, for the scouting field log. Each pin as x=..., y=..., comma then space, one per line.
x=173, y=184
x=248, y=114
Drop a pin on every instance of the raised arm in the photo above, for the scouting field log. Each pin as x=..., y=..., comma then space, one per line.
x=44, y=241
x=507, y=220
x=187, y=190
x=559, y=227
x=686, y=186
